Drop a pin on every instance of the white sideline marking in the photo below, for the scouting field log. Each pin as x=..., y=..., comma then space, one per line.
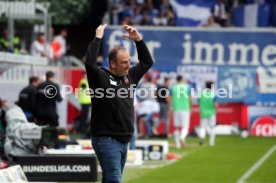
x=257, y=165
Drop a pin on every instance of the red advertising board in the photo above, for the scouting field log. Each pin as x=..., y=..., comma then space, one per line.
x=227, y=114
x=73, y=77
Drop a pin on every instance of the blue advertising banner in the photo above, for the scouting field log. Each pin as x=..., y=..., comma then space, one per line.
x=237, y=53
x=239, y=83
x=266, y=99
x=171, y=47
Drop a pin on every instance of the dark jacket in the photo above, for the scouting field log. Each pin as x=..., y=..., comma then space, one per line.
x=27, y=99
x=46, y=107
x=114, y=116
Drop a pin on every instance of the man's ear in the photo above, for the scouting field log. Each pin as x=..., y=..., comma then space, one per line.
x=113, y=64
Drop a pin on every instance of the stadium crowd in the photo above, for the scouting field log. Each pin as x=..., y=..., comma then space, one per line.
x=221, y=13
x=53, y=51
x=164, y=12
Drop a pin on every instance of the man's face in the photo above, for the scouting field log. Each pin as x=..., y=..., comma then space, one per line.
x=122, y=64
x=36, y=83
x=64, y=33
x=167, y=83
x=41, y=39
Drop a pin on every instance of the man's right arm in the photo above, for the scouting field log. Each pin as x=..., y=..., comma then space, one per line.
x=91, y=55
x=91, y=67
x=92, y=70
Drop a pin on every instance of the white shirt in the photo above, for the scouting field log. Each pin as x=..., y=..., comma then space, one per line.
x=148, y=107
x=37, y=48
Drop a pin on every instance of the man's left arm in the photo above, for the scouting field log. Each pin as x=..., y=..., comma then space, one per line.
x=144, y=57
x=145, y=62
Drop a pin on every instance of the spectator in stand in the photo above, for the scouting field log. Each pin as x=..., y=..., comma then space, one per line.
x=165, y=6
x=150, y=9
x=136, y=9
x=140, y=12
x=5, y=44
x=127, y=20
x=38, y=47
x=211, y=23
x=27, y=98
x=51, y=33
x=115, y=10
x=4, y=41
x=140, y=2
x=160, y=20
x=171, y=18
x=220, y=13
x=146, y=20
x=59, y=46
x=127, y=11
x=137, y=16
x=132, y=5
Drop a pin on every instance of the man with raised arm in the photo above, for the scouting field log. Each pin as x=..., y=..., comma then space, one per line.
x=112, y=90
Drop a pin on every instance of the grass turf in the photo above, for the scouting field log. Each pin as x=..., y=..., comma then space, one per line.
x=226, y=162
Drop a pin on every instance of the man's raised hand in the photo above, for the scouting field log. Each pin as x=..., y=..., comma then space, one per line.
x=100, y=31
x=132, y=33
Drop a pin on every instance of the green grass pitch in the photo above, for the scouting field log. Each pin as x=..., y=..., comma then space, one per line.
x=226, y=162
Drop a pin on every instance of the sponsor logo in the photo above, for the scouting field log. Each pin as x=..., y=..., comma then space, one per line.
x=221, y=52
x=56, y=168
x=264, y=126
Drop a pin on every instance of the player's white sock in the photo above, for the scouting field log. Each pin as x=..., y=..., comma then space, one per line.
x=201, y=133
x=176, y=138
x=212, y=136
x=184, y=133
